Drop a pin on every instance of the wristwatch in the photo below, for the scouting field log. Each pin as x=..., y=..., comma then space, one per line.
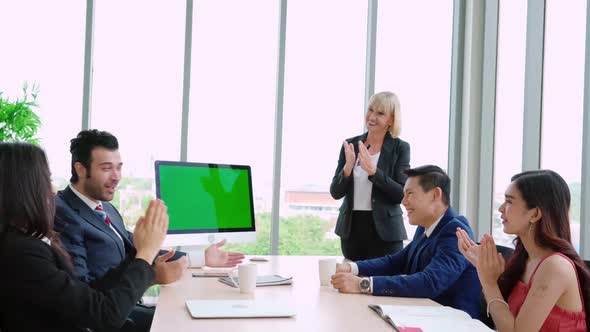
x=365, y=285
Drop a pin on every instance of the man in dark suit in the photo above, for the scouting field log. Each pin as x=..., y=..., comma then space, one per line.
x=92, y=230
x=431, y=266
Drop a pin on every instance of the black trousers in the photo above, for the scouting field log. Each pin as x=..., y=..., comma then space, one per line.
x=364, y=242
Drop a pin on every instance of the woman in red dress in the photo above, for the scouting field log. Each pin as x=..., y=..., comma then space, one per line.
x=545, y=285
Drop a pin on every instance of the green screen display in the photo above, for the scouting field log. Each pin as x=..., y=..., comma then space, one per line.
x=203, y=197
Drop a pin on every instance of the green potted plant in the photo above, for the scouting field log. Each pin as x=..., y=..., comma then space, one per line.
x=18, y=120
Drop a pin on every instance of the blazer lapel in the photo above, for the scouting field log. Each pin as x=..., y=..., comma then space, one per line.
x=422, y=244
x=118, y=225
x=386, y=151
x=413, y=250
x=449, y=214
x=355, y=144
x=92, y=217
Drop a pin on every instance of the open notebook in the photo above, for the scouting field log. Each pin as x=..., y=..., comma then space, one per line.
x=238, y=309
x=406, y=318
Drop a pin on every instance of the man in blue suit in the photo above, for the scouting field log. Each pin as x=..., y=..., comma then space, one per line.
x=92, y=230
x=431, y=266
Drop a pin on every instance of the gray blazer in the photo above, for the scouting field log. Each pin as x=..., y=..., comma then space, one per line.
x=387, y=193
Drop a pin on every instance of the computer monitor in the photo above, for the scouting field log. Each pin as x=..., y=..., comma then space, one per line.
x=206, y=202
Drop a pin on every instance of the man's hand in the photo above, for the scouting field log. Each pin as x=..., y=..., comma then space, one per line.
x=346, y=283
x=215, y=257
x=344, y=267
x=169, y=272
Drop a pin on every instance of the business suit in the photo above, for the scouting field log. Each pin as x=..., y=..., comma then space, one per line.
x=93, y=245
x=387, y=193
x=429, y=267
x=39, y=293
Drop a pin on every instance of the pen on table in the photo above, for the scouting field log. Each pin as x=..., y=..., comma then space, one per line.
x=197, y=275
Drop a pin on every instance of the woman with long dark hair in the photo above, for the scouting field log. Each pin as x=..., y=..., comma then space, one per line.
x=545, y=285
x=38, y=291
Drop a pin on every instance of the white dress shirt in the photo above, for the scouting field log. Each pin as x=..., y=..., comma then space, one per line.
x=92, y=205
x=362, y=188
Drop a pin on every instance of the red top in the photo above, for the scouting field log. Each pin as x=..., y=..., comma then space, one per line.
x=558, y=319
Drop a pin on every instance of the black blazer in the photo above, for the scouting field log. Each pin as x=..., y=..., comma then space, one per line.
x=387, y=193
x=38, y=293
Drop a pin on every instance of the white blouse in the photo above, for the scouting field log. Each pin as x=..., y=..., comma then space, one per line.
x=363, y=187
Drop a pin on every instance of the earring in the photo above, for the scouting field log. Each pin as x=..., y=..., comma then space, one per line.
x=530, y=227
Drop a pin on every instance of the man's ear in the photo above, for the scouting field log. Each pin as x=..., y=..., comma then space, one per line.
x=436, y=193
x=80, y=170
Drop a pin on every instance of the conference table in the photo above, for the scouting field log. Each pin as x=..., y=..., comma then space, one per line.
x=319, y=308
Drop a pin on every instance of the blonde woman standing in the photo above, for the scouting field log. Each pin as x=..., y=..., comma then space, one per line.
x=370, y=176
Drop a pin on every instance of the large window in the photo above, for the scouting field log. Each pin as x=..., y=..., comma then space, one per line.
x=137, y=90
x=414, y=42
x=324, y=87
x=509, y=105
x=233, y=88
x=48, y=51
x=563, y=96
x=137, y=85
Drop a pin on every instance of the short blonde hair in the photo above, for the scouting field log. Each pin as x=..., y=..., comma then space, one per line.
x=388, y=101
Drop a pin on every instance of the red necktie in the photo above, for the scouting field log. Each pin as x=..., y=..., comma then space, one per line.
x=103, y=214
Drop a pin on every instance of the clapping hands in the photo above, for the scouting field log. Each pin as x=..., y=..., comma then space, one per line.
x=485, y=257
x=350, y=158
x=365, y=160
x=490, y=263
x=150, y=231
x=467, y=247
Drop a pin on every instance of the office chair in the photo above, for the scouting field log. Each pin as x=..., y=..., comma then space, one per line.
x=506, y=253
x=129, y=326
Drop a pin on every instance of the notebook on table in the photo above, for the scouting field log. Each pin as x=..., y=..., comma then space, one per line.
x=428, y=319
x=238, y=309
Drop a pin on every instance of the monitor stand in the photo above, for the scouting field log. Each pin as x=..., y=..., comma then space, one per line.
x=195, y=255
